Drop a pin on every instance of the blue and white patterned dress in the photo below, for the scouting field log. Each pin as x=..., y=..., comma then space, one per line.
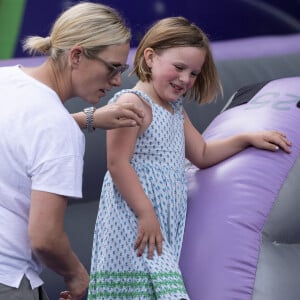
x=159, y=161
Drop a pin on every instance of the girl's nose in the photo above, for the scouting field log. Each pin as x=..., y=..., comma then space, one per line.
x=184, y=76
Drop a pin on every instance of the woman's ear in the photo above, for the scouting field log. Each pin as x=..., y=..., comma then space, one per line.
x=148, y=55
x=75, y=55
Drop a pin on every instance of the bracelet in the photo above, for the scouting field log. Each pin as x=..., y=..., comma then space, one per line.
x=89, y=111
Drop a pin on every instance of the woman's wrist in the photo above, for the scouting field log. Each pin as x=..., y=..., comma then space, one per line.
x=81, y=119
x=89, y=121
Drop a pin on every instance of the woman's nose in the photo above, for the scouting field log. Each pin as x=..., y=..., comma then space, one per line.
x=116, y=80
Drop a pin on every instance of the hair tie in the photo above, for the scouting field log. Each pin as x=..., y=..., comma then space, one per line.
x=49, y=43
x=49, y=40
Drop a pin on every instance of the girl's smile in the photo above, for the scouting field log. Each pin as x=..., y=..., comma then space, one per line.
x=175, y=70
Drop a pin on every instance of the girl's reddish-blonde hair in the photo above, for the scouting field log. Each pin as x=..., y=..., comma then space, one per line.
x=180, y=32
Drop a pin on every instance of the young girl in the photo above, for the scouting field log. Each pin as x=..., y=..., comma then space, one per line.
x=140, y=223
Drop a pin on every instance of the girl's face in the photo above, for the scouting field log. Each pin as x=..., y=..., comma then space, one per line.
x=175, y=70
x=92, y=78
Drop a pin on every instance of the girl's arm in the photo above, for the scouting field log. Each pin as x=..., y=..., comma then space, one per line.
x=205, y=154
x=120, y=146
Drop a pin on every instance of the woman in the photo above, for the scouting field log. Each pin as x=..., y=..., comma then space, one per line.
x=43, y=146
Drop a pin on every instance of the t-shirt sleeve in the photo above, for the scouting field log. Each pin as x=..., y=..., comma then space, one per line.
x=56, y=158
x=61, y=176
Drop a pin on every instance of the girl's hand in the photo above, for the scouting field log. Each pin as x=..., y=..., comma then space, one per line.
x=270, y=140
x=149, y=234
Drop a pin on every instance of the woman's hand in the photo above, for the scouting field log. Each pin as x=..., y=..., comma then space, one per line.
x=77, y=284
x=118, y=115
x=65, y=295
x=270, y=140
x=149, y=235
x=113, y=116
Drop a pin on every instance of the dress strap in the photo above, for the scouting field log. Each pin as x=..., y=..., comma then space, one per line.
x=140, y=94
x=177, y=105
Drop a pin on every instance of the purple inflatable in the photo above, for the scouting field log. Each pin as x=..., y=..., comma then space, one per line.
x=242, y=236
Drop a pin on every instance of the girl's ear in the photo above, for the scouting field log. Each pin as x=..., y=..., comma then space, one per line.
x=75, y=55
x=148, y=55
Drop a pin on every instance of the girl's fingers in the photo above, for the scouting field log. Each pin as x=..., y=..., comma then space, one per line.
x=151, y=247
x=142, y=246
x=159, y=244
x=138, y=241
x=276, y=140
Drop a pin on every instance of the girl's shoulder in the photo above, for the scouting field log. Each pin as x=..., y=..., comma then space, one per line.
x=131, y=96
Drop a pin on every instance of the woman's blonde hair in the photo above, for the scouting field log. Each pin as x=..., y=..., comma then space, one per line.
x=91, y=25
x=179, y=32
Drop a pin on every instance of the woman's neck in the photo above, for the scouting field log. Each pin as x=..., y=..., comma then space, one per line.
x=48, y=74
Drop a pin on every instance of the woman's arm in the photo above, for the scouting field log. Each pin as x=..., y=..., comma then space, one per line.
x=112, y=116
x=50, y=242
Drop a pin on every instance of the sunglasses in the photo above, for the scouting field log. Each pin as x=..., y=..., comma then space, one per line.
x=113, y=70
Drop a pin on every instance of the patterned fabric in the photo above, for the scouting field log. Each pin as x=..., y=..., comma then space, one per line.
x=159, y=160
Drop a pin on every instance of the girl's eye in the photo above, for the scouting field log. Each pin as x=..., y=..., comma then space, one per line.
x=180, y=68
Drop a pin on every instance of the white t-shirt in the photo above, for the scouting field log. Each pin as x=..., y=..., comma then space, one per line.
x=41, y=148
